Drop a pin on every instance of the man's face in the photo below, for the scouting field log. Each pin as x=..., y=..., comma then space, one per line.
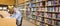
x=14, y=9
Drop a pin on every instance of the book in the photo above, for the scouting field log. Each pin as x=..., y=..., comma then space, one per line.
x=41, y=24
x=49, y=21
x=33, y=5
x=30, y=4
x=33, y=1
x=51, y=9
x=35, y=9
x=56, y=9
x=28, y=9
x=42, y=14
x=45, y=9
x=59, y=9
x=55, y=23
x=41, y=4
x=40, y=19
x=48, y=9
x=54, y=16
x=33, y=17
x=49, y=15
x=33, y=13
x=46, y=3
x=58, y=1
x=32, y=9
x=54, y=2
x=58, y=16
x=58, y=23
x=38, y=23
x=42, y=9
x=37, y=4
x=49, y=3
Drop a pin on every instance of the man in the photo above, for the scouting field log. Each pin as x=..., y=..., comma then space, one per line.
x=18, y=15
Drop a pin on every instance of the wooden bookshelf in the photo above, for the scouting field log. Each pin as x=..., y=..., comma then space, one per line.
x=42, y=12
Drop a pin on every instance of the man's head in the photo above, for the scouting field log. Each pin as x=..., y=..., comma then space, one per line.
x=14, y=9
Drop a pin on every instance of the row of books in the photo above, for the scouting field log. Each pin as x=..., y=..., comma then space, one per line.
x=31, y=9
x=49, y=3
x=50, y=15
x=50, y=9
x=29, y=4
x=56, y=23
x=52, y=2
x=49, y=22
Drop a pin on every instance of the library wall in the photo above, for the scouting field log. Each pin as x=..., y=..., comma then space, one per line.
x=7, y=2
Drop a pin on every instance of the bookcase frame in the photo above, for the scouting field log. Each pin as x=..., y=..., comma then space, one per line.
x=35, y=20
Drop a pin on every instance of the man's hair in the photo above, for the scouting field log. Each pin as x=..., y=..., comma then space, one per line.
x=1, y=16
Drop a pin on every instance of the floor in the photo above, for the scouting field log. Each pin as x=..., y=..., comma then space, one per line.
x=26, y=23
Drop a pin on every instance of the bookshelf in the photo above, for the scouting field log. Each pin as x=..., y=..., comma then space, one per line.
x=43, y=12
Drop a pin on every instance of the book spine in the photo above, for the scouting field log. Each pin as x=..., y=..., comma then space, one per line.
x=59, y=9
x=58, y=17
x=41, y=4
x=49, y=21
x=54, y=16
x=48, y=9
x=56, y=9
x=58, y=1
x=49, y=15
x=42, y=9
x=45, y=9
x=49, y=3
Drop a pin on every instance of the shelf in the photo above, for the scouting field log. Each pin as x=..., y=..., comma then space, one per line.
x=53, y=5
x=40, y=1
x=49, y=12
x=49, y=24
x=41, y=8
x=34, y=2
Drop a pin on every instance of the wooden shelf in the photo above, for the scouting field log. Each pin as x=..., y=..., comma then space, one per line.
x=44, y=12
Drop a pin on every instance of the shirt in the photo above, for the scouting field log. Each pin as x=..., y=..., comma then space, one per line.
x=18, y=16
